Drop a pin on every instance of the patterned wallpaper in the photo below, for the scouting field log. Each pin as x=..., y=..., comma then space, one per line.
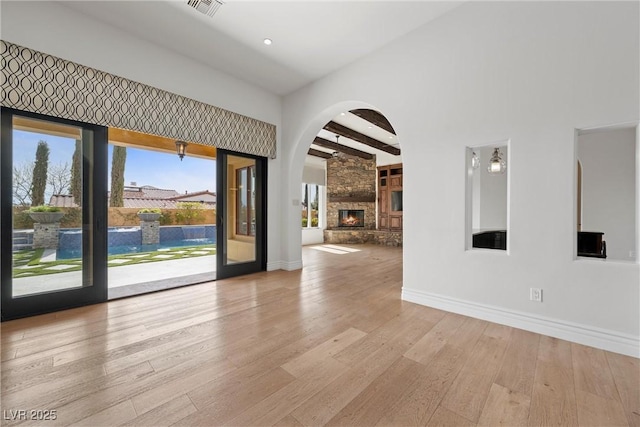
x=40, y=83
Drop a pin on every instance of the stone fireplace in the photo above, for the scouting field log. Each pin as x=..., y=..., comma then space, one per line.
x=351, y=198
x=351, y=203
x=351, y=186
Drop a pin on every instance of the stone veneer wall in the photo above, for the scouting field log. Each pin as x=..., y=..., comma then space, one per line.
x=45, y=235
x=150, y=232
x=385, y=238
x=350, y=177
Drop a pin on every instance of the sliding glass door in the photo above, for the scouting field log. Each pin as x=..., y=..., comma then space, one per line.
x=53, y=210
x=241, y=214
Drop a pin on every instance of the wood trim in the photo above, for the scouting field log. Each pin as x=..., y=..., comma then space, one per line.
x=375, y=118
x=45, y=127
x=325, y=143
x=318, y=153
x=388, y=219
x=364, y=139
x=129, y=138
x=352, y=199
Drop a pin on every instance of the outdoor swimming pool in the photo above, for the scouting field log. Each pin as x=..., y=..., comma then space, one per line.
x=128, y=240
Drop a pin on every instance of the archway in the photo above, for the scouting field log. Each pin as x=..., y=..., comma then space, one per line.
x=349, y=141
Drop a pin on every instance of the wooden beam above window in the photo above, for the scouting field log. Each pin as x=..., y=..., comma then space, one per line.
x=129, y=138
x=44, y=127
x=364, y=139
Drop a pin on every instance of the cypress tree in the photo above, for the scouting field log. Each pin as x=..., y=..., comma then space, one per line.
x=117, y=176
x=39, y=181
x=76, y=174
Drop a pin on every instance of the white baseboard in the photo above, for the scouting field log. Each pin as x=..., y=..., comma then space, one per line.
x=292, y=265
x=275, y=265
x=284, y=265
x=582, y=334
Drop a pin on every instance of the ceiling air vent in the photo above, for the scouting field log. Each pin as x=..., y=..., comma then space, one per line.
x=208, y=7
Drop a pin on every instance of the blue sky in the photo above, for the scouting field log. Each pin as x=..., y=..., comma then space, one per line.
x=164, y=170
x=145, y=167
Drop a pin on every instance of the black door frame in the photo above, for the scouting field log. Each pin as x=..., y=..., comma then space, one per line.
x=260, y=264
x=94, y=219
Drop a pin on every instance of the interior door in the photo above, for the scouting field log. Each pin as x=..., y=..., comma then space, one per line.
x=51, y=260
x=241, y=214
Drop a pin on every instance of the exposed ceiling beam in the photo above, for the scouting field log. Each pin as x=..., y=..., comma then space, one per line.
x=375, y=118
x=144, y=141
x=364, y=139
x=321, y=142
x=318, y=153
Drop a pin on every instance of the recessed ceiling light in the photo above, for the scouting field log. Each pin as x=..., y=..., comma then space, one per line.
x=369, y=127
x=267, y=41
x=343, y=114
x=391, y=137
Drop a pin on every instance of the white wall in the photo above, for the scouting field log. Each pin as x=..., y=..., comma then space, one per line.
x=528, y=72
x=52, y=28
x=609, y=188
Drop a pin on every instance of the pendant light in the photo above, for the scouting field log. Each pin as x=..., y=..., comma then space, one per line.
x=496, y=164
x=181, y=148
x=475, y=161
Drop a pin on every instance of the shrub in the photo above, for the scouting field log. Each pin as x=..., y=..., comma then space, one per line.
x=189, y=212
x=72, y=218
x=166, y=218
x=314, y=222
x=44, y=208
x=304, y=222
x=22, y=220
x=150, y=210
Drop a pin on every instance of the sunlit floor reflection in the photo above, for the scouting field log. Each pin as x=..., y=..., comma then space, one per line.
x=335, y=249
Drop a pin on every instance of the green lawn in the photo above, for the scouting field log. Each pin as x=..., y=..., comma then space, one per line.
x=29, y=263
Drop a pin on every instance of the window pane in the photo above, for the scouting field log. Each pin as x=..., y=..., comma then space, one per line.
x=396, y=201
x=252, y=204
x=313, y=205
x=47, y=214
x=305, y=204
x=239, y=234
x=242, y=201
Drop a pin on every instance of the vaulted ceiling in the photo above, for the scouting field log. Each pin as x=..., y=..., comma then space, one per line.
x=362, y=133
x=311, y=38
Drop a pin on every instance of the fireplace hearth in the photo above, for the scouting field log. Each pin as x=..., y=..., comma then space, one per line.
x=351, y=218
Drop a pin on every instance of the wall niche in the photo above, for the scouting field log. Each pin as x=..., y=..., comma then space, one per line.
x=606, y=192
x=487, y=193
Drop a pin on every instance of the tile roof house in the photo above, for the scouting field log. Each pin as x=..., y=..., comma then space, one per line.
x=147, y=196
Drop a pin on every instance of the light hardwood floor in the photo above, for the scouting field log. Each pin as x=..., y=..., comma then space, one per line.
x=331, y=344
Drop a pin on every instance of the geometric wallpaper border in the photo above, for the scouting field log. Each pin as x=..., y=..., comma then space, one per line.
x=41, y=83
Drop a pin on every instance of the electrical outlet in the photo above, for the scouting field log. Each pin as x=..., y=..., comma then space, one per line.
x=535, y=294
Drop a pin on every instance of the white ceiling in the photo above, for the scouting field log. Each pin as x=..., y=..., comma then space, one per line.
x=310, y=38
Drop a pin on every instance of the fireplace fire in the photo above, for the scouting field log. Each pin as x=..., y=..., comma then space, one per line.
x=351, y=218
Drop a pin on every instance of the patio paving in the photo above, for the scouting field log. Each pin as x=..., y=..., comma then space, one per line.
x=121, y=275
